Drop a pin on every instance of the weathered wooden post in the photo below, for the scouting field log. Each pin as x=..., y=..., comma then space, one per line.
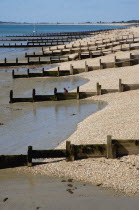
x=78, y=93
x=86, y=67
x=100, y=64
x=11, y=97
x=71, y=69
x=58, y=71
x=28, y=72
x=114, y=61
x=29, y=158
x=98, y=87
x=79, y=55
x=50, y=60
x=129, y=45
x=39, y=59
x=33, y=95
x=69, y=151
x=55, y=93
x=16, y=60
x=12, y=73
x=90, y=54
x=109, y=147
x=42, y=71
x=42, y=51
x=112, y=48
x=121, y=86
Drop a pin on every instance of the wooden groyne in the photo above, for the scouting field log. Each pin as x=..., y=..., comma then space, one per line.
x=44, y=44
x=57, y=96
x=39, y=61
x=44, y=73
x=131, y=61
x=114, y=148
x=60, y=55
x=41, y=39
x=89, y=48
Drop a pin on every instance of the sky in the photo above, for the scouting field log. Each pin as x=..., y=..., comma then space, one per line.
x=68, y=11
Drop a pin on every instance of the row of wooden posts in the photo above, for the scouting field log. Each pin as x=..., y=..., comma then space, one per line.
x=120, y=41
x=62, y=59
x=102, y=40
x=81, y=48
x=73, y=95
x=45, y=39
x=58, y=59
x=57, y=96
x=46, y=44
x=133, y=60
x=114, y=148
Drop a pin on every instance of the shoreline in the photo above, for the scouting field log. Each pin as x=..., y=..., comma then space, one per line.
x=119, y=119
x=55, y=24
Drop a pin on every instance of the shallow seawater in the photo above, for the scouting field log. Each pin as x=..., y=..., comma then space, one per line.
x=44, y=125
x=41, y=124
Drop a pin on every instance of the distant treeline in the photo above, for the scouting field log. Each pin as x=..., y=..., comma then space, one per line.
x=129, y=21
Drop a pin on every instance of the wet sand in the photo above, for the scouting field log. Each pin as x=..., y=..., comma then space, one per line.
x=20, y=191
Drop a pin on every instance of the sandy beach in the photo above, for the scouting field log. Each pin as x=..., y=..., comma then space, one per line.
x=119, y=118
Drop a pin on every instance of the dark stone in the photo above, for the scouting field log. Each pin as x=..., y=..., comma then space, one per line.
x=5, y=199
x=70, y=180
x=70, y=185
x=98, y=185
x=63, y=180
x=70, y=191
